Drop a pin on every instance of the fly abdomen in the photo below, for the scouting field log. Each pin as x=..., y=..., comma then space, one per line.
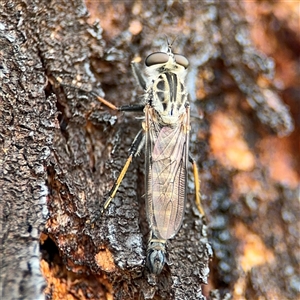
x=156, y=258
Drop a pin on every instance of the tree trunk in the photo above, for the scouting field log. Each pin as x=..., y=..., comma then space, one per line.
x=62, y=150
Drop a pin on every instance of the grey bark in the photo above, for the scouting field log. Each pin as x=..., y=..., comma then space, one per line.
x=61, y=150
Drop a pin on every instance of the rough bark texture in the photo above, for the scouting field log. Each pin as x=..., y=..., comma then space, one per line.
x=61, y=150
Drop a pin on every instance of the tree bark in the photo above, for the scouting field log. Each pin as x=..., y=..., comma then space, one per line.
x=62, y=150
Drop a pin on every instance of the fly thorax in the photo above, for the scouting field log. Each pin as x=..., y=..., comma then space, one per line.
x=169, y=97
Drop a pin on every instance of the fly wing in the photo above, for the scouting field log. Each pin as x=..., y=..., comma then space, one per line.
x=166, y=173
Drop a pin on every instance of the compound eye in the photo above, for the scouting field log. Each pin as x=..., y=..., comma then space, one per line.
x=181, y=60
x=156, y=58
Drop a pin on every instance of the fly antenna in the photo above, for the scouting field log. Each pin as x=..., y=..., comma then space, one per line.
x=170, y=45
x=167, y=41
x=173, y=41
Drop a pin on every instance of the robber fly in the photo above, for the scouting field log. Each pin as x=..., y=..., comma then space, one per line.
x=165, y=137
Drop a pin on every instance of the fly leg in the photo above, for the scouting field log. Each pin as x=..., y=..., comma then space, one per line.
x=134, y=150
x=128, y=107
x=124, y=108
x=197, y=186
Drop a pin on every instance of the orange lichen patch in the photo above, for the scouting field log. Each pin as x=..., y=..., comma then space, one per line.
x=137, y=8
x=255, y=15
x=249, y=185
x=55, y=286
x=239, y=289
x=228, y=145
x=288, y=12
x=243, y=184
x=135, y=27
x=286, y=16
x=286, y=70
x=43, y=238
x=253, y=252
x=60, y=220
x=63, y=284
x=275, y=154
x=111, y=16
x=204, y=75
x=104, y=260
x=285, y=11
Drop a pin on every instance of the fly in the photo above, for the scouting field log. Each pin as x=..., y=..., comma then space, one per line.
x=165, y=138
